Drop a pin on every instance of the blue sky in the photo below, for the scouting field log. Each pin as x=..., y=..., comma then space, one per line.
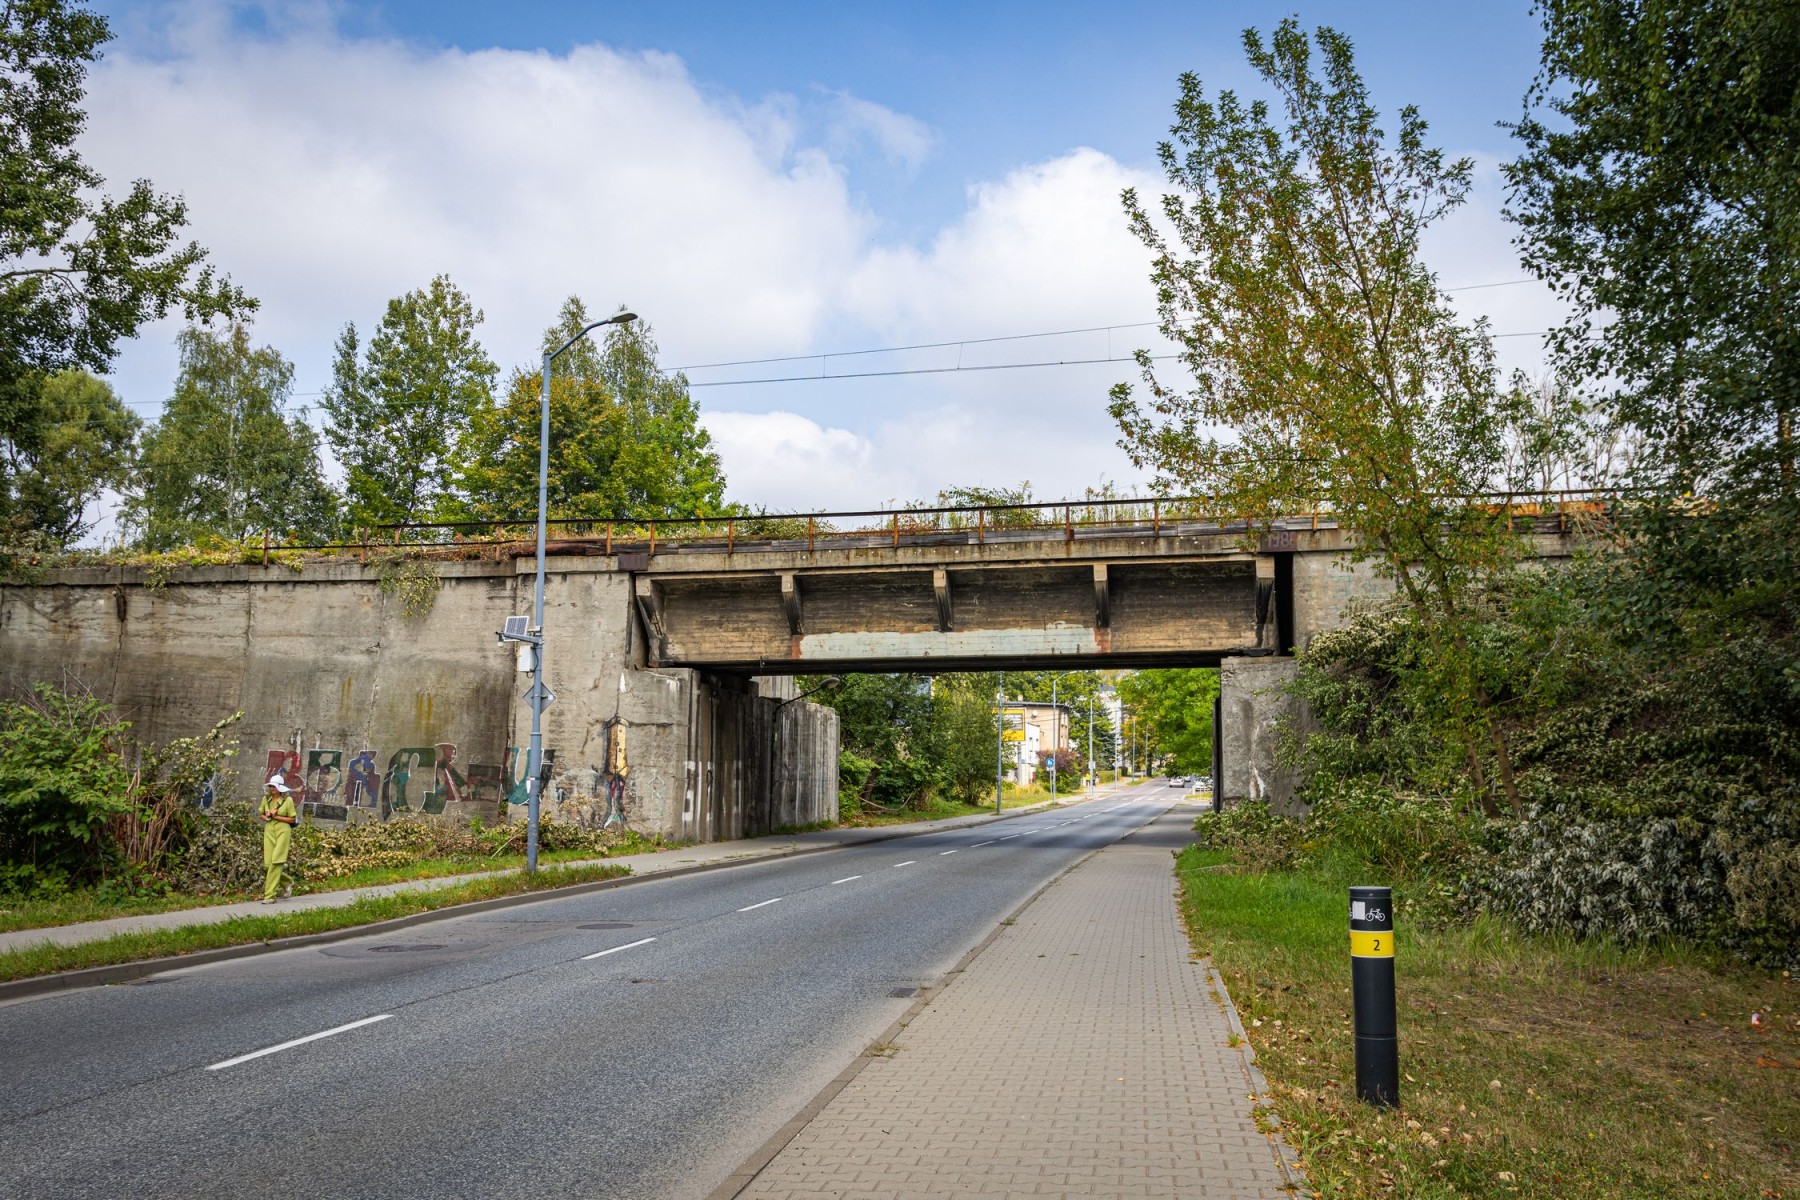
x=756, y=181
x=1014, y=83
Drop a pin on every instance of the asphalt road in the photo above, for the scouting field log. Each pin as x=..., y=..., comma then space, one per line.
x=638, y=1042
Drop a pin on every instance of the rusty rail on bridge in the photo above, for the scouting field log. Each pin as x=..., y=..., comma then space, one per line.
x=1063, y=520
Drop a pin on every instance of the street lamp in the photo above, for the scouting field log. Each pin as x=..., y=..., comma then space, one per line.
x=540, y=697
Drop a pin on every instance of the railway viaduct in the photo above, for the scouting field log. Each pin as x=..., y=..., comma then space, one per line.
x=672, y=647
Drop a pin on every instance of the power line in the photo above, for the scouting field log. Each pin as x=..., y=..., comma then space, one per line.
x=1475, y=287
x=1011, y=337
x=1065, y=362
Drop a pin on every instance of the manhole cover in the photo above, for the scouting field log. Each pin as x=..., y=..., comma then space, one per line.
x=607, y=925
x=404, y=949
x=902, y=993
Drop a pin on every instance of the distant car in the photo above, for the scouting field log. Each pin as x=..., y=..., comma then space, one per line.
x=1178, y=781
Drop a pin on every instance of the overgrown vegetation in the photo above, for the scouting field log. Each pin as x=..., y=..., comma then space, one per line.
x=95, y=824
x=1533, y=1066
x=82, y=805
x=1607, y=748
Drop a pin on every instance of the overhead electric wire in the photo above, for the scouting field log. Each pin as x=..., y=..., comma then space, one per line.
x=960, y=342
x=1065, y=362
x=1011, y=337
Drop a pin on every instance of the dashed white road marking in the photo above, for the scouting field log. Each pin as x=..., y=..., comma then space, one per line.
x=909, y=862
x=845, y=879
x=979, y=845
x=763, y=904
x=616, y=949
x=1008, y=837
x=300, y=1041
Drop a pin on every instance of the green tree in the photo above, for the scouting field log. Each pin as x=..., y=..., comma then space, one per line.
x=1659, y=190
x=625, y=439
x=226, y=460
x=82, y=443
x=907, y=739
x=79, y=270
x=1321, y=346
x=1174, y=711
x=399, y=408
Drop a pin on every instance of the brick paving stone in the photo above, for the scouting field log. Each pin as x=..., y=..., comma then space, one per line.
x=1082, y=1053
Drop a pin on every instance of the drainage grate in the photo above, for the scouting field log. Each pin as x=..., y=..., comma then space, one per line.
x=404, y=949
x=608, y=925
x=902, y=993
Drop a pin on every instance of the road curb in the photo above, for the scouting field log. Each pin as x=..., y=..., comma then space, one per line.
x=84, y=977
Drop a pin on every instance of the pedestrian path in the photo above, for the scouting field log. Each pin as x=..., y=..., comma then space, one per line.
x=1083, y=1052
x=659, y=862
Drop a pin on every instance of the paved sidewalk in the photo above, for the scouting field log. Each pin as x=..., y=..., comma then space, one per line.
x=708, y=854
x=1082, y=1053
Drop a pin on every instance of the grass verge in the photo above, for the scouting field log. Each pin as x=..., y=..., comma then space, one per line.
x=1533, y=1067
x=135, y=947
x=77, y=907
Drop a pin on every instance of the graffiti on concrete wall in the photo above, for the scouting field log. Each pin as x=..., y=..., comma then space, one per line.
x=415, y=779
x=325, y=784
x=364, y=788
x=331, y=784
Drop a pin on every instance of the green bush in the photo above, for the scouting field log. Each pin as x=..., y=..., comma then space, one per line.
x=1256, y=838
x=63, y=778
x=1651, y=712
x=1400, y=835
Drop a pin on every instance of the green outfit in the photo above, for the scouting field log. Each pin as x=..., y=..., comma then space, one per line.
x=278, y=834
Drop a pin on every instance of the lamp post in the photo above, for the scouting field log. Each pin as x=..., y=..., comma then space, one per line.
x=539, y=696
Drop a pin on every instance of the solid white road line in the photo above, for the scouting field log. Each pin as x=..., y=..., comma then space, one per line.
x=311, y=1037
x=616, y=949
x=909, y=862
x=845, y=879
x=764, y=904
x=941, y=853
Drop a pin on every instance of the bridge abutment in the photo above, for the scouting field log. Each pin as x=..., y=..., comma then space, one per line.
x=376, y=710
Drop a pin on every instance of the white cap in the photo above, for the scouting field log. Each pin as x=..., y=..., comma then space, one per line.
x=279, y=784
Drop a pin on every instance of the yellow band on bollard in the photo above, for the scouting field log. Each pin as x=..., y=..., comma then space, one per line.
x=1371, y=945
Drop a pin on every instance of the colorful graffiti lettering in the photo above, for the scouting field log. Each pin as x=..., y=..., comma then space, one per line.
x=399, y=776
x=486, y=783
x=416, y=779
x=365, y=781
x=324, y=784
x=447, y=783
x=286, y=763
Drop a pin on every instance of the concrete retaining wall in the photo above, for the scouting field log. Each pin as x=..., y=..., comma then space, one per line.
x=378, y=712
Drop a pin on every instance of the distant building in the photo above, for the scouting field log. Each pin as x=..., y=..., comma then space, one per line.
x=1033, y=728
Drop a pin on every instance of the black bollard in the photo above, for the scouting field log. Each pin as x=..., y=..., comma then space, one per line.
x=1372, y=995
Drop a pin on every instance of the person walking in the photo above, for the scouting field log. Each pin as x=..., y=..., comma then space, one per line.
x=277, y=813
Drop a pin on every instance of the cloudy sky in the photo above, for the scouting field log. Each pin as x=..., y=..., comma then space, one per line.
x=757, y=181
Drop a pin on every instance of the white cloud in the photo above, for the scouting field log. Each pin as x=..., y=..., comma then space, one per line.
x=328, y=173
x=788, y=462
x=903, y=140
